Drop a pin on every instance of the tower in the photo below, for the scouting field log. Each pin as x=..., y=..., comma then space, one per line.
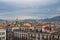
x=17, y=21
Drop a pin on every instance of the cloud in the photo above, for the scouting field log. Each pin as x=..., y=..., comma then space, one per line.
x=19, y=17
x=32, y=2
x=30, y=13
x=11, y=9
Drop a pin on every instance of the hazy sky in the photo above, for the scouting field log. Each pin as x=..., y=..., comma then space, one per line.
x=29, y=9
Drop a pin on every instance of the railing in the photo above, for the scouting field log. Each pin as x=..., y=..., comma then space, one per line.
x=37, y=36
x=46, y=37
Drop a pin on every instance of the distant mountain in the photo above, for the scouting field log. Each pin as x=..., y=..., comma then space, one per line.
x=29, y=20
x=53, y=19
x=1, y=20
x=57, y=18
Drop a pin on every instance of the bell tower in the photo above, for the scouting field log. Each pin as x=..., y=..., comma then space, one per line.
x=17, y=21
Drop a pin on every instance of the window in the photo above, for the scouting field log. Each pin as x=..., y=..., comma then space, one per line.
x=55, y=36
x=0, y=33
x=0, y=38
x=3, y=38
x=3, y=33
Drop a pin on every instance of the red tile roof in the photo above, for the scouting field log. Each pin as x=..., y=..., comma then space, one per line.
x=48, y=28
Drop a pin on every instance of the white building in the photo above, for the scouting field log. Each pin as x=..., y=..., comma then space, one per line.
x=13, y=28
x=19, y=34
x=2, y=34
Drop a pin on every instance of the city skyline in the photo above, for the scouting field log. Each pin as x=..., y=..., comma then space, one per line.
x=29, y=9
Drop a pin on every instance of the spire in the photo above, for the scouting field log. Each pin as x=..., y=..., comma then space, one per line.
x=7, y=21
x=16, y=19
x=17, y=22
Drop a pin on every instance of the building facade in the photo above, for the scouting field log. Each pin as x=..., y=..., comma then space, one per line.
x=2, y=34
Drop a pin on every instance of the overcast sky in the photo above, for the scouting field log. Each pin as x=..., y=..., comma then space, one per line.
x=29, y=9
